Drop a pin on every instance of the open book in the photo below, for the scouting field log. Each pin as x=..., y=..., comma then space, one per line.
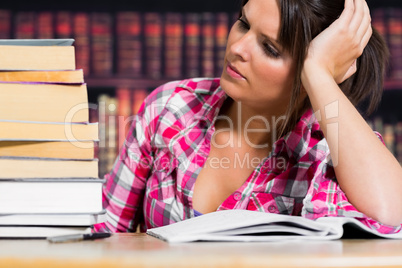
x=248, y=226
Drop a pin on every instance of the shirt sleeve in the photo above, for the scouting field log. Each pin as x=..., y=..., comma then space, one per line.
x=325, y=198
x=124, y=188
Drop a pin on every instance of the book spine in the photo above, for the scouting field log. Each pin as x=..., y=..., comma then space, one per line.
x=192, y=44
x=24, y=25
x=129, y=44
x=389, y=137
x=123, y=96
x=107, y=108
x=5, y=24
x=63, y=24
x=81, y=33
x=173, y=33
x=208, y=45
x=153, y=44
x=102, y=44
x=112, y=130
x=221, y=34
x=44, y=25
x=398, y=140
x=395, y=41
x=137, y=99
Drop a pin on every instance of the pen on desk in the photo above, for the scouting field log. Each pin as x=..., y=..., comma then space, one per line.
x=77, y=237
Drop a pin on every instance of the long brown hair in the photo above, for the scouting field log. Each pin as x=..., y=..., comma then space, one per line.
x=301, y=21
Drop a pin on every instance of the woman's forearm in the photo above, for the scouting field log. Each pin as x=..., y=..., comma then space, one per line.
x=366, y=171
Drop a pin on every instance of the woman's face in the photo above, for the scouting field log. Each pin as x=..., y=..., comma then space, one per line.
x=257, y=72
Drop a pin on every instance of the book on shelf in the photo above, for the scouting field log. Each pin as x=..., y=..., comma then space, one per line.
x=153, y=42
x=55, y=76
x=101, y=43
x=221, y=35
x=173, y=45
x=124, y=113
x=137, y=99
x=395, y=41
x=255, y=226
x=388, y=22
x=81, y=33
x=192, y=44
x=24, y=25
x=107, y=151
x=43, y=102
x=40, y=54
x=63, y=24
x=129, y=43
x=391, y=133
x=208, y=44
x=52, y=219
x=44, y=25
x=47, y=168
x=5, y=23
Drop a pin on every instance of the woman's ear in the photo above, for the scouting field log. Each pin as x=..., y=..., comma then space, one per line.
x=351, y=71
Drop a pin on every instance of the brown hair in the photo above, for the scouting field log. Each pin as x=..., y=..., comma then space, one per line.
x=301, y=21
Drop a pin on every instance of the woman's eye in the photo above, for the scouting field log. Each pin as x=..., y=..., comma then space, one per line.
x=270, y=51
x=243, y=24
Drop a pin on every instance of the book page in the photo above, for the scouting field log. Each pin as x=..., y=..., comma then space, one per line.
x=233, y=225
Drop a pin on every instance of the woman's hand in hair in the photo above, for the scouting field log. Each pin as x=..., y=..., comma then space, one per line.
x=336, y=49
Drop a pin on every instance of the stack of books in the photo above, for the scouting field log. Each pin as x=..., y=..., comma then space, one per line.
x=49, y=181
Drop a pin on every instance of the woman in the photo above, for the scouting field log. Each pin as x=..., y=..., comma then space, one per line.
x=260, y=137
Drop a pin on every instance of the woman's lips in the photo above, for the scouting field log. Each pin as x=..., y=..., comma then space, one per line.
x=233, y=72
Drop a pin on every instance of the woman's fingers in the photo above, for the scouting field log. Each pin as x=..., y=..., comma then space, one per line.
x=347, y=14
x=358, y=16
x=365, y=26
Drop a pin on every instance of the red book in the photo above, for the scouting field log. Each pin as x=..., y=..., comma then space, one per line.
x=123, y=96
x=5, y=24
x=24, y=27
x=173, y=45
x=64, y=27
x=221, y=35
x=129, y=43
x=138, y=97
x=395, y=41
x=208, y=45
x=102, y=44
x=82, y=42
x=192, y=44
x=44, y=25
x=153, y=45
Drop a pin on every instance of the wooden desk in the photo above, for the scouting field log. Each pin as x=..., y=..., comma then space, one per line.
x=140, y=250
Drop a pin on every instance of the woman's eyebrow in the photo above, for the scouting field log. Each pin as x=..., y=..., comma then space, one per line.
x=266, y=37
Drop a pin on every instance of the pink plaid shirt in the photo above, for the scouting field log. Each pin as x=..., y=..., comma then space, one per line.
x=153, y=178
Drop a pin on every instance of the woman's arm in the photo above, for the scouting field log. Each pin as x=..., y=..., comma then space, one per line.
x=366, y=171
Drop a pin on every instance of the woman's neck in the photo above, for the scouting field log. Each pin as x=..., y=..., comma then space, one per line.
x=256, y=128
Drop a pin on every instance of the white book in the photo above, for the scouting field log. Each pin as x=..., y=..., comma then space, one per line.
x=254, y=226
x=55, y=219
x=39, y=232
x=50, y=195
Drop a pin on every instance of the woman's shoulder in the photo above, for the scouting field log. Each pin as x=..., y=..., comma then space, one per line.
x=197, y=88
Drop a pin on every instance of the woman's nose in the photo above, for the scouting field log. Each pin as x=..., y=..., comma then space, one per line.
x=241, y=47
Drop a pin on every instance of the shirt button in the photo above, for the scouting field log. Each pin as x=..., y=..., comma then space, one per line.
x=237, y=196
x=272, y=209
